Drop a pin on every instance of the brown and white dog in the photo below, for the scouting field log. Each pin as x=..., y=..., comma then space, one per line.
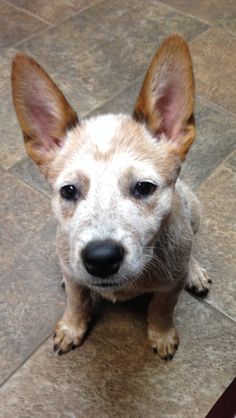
x=126, y=223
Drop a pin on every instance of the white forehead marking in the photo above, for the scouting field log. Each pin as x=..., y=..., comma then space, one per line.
x=101, y=130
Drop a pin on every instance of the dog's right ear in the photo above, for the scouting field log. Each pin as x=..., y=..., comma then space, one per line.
x=43, y=112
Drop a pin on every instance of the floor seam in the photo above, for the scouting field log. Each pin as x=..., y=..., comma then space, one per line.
x=215, y=106
x=215, y=170
x=32, y=36
x=26, y=12
x=123, y=89
x=5, y=381
x=27, y=184
x=213, y=308
x=185, y=14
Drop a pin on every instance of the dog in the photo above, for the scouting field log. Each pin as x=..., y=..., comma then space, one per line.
x=126, y=222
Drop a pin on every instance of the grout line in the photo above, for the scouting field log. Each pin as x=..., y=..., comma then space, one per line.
x=52, y=26
x=25, y=181
x=213, y=173
x=25, y=360
x=32, y=36
x=49, y=25
x=200, y=35
x=212, y=308
x=117, y=93
x=214, y=25
x=22, y=10
x=80, y=11
x=57, y=24
x=228, y=167
x=199, y=19
x=43, y=193
x=215, y=105
x=225, y=162
x=228, y=31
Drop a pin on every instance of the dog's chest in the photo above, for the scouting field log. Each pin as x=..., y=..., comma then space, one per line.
x=120, y=296
x=140, y=289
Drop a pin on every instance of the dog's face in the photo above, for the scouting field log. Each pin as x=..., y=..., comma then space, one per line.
x=112, y=176
x=112, y=191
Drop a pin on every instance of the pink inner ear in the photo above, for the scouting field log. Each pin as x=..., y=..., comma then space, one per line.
x=42, y=112
x=169, y=107
x=43, y=123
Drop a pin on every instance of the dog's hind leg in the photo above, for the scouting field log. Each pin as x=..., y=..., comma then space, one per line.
x=198, y=281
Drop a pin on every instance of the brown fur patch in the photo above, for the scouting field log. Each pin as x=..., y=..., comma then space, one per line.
x=127, y=181
x=82, y=183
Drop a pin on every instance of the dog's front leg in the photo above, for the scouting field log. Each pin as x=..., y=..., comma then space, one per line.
x=71, y=329
x=161, y=331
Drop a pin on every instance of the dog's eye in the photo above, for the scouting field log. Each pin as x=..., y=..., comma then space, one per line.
x=143, y=189
x=69, y=192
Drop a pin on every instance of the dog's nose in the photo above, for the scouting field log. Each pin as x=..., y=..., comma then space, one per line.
x=102, y=258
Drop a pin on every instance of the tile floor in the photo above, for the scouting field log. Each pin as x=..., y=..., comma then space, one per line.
x=97, y=51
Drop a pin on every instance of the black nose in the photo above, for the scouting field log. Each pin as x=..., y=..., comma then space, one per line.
x=102, y=258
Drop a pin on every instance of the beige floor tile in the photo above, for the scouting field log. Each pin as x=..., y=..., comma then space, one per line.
x=23, y=211
x=216, y=133
x=214, y=64
x=53, y=11
x=231, y=161
x=28, y=171
x=16, y=25
x=12, y=147
x=29, y=274
x=216, y=12
x=216, y=243
x=115, y=373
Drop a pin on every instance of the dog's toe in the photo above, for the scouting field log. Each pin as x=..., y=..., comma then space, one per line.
x=194, y=290
x=198, y=281
x=165, y=344
x=68, y=336
x=168, y=357
x=63, y=282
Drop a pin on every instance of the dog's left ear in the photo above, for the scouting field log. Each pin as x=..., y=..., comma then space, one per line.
x=166, y=99
x=43, y=112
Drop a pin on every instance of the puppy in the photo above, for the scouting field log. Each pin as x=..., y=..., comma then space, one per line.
x=126, y=223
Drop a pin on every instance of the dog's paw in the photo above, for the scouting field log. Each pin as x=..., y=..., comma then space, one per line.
x=198, y=282
x=165, y=343
x=68, y=336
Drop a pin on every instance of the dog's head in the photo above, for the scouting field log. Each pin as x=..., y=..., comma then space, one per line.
x=112, y=176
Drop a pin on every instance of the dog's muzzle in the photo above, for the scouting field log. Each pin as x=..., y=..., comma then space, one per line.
x=102, y=258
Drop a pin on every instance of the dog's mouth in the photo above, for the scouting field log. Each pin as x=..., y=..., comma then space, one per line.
x=107, y=284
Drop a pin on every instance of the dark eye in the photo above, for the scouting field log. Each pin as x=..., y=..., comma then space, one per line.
x=143, y=189
x=69, y=192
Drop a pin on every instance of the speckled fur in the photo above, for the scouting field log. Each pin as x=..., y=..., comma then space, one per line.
x=103, y=157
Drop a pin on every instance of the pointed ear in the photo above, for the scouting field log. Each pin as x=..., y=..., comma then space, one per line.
x=43, y=112
x=166, y=99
